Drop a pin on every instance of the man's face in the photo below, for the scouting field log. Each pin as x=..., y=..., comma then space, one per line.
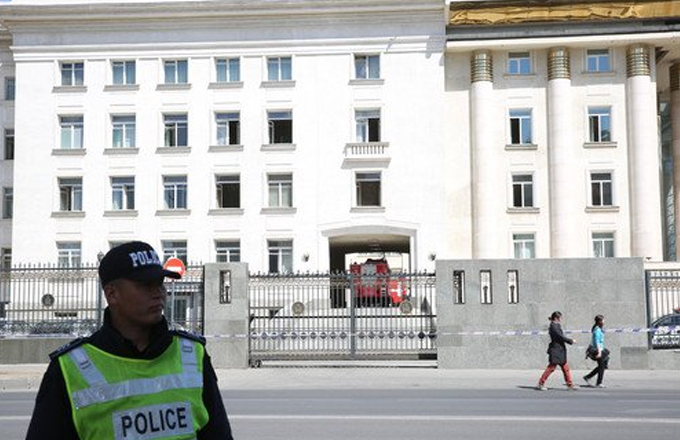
x=136, y=303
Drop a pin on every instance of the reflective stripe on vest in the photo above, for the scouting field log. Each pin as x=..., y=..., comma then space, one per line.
x=100, y=391
x=116, y=398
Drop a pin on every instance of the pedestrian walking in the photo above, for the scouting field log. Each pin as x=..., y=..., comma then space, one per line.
x=597, y=352
x=557, y=353
x=133, y=378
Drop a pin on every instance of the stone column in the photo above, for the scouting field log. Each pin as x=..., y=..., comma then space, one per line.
x=226, y=314
x=674, y=76
x=564, y=201
x=644, y=156
x=484, y=167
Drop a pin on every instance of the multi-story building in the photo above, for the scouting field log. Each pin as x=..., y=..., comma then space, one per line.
x=293, y=134
x=284, y=134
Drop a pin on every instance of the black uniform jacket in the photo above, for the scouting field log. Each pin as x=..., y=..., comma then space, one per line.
x=557, y=350
x=52, y=413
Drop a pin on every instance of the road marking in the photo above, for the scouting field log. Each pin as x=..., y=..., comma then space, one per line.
x=406, y=418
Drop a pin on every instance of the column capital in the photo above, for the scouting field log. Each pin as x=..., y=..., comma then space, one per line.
x=481, y=66
x=559, y=65
x=637, y=60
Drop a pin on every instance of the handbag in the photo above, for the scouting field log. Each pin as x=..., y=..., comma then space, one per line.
x=591, y=353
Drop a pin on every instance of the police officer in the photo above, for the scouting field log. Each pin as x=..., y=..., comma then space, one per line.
x=133, y=378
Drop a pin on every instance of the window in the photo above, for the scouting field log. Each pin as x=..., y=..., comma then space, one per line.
x=228, y=191
x=279, y=69
x=603, y=244
x=368, y=125
x=524, y=246
x=280, y=190
x=601, y=189
x=367, y=66
x=72, y=74
x=69, y=254
x=599, y=124
x=228, y=69
x=123, y=131
x=6, y=258
x=598, y=60
x=71, y=132
x=174, y=249
x=520, y=127
x=175, y=192
x=176, y=130
x=280, y=127
x=10, y=88
x=228, y=251
x=123, y=72
x=7, y=202
x=70, y=194
x=368, y=189
x=519, y=63
x=123, y=193
x=176, y=71
x=280, y=256
x=522, y=191
x=9, y=144
x=228, y=128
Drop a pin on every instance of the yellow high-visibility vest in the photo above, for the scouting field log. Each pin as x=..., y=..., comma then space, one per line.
x=117, y=398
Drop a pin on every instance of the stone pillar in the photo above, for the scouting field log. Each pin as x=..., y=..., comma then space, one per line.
x=226, y=314
x=644, y=156
x=564, y=201
x=675, y=125
x=484, y=168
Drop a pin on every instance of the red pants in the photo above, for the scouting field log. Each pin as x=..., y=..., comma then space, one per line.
x=549, y=370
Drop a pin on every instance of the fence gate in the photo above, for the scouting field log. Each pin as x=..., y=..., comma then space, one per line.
x=342, y=316
x=663, y=292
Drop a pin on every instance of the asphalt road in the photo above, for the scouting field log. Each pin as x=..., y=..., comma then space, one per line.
x=398, y=414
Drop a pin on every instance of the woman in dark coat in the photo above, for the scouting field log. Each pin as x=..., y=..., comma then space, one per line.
x=557, y=353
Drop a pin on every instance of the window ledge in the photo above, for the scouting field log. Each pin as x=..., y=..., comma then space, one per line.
x=367, y=209
x=528, y=210
x=278, y=84
x=602, y=209
x=366, y=82
x=599, y=145
x=120, y=151
x=173, y=150
x=174, y=86
x=226, y=211
x=507, y=75
x=121, y=88
x=279, y=210
x=225, y=148
x=521, y=147
x=599, y=73
x=68, y=152
x=226, y=85
x=121, y=213
x=69, y=89
x=173, y=212
x=278, y=147
x=68, y=214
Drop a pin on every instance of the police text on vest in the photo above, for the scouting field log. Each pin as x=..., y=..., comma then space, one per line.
x=152, y=422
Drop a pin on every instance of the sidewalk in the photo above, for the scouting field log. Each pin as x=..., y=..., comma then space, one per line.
x=377, y=376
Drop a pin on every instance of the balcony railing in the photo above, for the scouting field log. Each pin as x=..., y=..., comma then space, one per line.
x=367, y=150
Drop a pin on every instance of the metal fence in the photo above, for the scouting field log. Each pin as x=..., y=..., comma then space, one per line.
x=663, y=292
x=342, y=316
x=68, y=301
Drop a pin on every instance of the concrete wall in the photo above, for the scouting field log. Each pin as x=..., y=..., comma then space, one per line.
x=579, y=288
x=28, y=350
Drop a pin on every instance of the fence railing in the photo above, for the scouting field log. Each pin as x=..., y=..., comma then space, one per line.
x=54, y=301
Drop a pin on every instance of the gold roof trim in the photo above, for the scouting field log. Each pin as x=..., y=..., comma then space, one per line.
x=531, y=12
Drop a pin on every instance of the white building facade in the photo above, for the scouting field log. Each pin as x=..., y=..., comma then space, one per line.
x=292, y=134
x=284, y=134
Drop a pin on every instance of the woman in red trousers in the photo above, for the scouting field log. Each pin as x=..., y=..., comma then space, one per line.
x=557, y=353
